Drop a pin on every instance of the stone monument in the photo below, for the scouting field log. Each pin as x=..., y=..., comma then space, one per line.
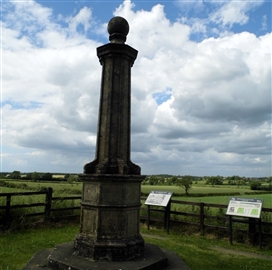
x=109, y=237
x=110, y=206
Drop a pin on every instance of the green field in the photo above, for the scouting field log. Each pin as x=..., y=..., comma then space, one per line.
x=57, y=186
x=199, y=193
x=63, y=188
x=267, y=199
x=220, y=199
x=76, y=187
x=197, y=189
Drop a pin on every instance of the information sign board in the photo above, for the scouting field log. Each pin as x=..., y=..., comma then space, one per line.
x=158, y=198
x=245, y=207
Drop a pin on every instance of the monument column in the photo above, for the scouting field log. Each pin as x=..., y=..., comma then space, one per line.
x=110, y=207
x=113, y=135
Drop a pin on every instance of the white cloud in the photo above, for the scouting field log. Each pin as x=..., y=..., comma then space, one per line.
x=82, y=18
x=215, y=119
x=264, y=22
x=188, y=5
x=230, y=13
x=216, y=18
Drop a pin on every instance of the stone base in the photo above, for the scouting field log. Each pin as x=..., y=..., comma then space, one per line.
x=110, y=218
x=108, y=250
x=62, y=258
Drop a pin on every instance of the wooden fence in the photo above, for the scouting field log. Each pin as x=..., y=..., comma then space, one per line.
x=46, y=210
x=198, y=215
x=204, y=219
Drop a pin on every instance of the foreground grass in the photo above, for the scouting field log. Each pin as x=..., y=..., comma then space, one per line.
x=18, y=247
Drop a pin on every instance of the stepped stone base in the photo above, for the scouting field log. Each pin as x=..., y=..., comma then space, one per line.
x=108, y=250
x=62, y=258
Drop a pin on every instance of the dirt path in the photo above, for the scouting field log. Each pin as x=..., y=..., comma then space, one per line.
x=242, y=253
x=154, y=236
x=220, y=249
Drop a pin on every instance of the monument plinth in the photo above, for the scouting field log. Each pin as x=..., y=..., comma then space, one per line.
x=110, y=211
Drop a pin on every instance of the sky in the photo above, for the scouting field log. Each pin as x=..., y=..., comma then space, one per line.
x=201, y=85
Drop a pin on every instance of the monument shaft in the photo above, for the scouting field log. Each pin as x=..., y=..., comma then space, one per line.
x=114, y=124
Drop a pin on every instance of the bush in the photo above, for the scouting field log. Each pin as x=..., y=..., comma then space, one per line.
x=255, y=185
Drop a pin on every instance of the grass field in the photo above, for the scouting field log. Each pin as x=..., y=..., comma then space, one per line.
x=267, y=199
x=223, y=199
x=57, y=186
x=67, y=188
x=196, y=251
x=196, y=189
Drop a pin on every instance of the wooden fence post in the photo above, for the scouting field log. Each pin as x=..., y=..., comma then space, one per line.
x=48, y=203
x=201, y=218
x=7, y=217
x=252, y=231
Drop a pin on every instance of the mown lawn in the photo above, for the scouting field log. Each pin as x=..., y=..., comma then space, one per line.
x=196, y=251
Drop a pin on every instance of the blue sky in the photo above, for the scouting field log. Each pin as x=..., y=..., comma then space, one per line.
x=201, y=85
x=257, y=13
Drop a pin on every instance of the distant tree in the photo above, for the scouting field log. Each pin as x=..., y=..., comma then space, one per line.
x=15, y=175
x=35, y=176
x=269, y=180
x=173, y=180
x=255, y=185
x=241, y=183
x=3, y=175
x=185, y=182
x=161, y=180
x=153, y=180
x=72, y=178
x=47, y=176
x=28, y=176
x=215, y=180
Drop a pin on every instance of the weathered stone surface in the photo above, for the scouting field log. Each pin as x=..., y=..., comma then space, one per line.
x=108, y=250
x=118, y=29
x=114, y=121
x=110, y=218
x=62, y=258
x=110, y=207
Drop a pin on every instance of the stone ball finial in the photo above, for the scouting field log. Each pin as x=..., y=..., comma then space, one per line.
x=118, y=29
